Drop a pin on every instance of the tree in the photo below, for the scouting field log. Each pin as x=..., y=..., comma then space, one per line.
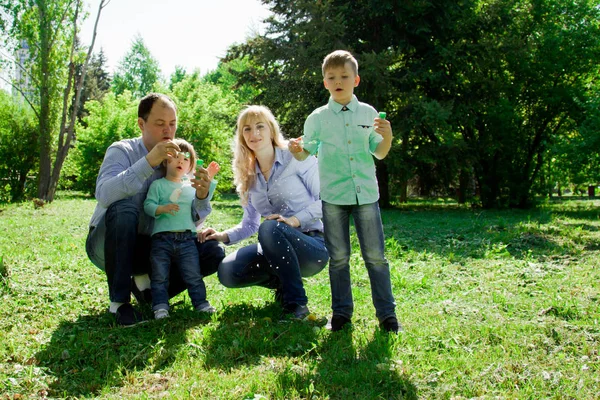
x=206, y=117
x=177, y=76
x=50, y=29
x=110, y=119
x=137, y=72
x=286, y=63
x=225, y=77
x=18, y=147
x=97, y=82
x=471, y=86
x=520, y=75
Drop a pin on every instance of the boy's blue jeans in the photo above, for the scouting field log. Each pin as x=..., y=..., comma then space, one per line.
x=369, y=229
x=175, y=249
x=283, y=254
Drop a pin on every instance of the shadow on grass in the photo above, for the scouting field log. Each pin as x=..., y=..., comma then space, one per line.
x=92, y=353
x=344, y=371
x=325, y=364
x=246, y=333
x=464, y=234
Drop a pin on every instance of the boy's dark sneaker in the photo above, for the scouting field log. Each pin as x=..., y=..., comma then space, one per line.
x=391, y=325
x=143, y=297
x=128, y=316
x=296, y=311
x=337, y=323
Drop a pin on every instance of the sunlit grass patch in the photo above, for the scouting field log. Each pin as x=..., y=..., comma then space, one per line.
x=495, y=304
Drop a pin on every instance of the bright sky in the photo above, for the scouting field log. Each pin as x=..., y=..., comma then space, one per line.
x=190, y=33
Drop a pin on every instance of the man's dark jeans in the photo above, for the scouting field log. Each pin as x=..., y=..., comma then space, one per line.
x=118, y=249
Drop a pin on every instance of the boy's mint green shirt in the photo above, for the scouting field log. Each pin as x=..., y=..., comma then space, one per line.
x=345, y=142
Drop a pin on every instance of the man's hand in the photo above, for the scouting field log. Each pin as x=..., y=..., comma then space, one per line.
x=211, y=234
x=171, y=208
x=201, y=183
x=291, y=221
x=162, y=151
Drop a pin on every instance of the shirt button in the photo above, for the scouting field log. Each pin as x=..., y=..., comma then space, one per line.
x=349, y=141
x=347, y=124
x=351, y=158
x=354, y=176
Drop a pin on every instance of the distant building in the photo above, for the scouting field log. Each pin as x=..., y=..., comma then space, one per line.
x=21, y=78
x=4, y=77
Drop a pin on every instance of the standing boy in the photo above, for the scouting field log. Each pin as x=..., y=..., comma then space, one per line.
x=346, y=133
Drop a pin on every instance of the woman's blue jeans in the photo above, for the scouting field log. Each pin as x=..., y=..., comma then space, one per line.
x=369, y=229
x=283, y=254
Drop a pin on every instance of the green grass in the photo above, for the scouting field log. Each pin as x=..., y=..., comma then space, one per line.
x=495, y=304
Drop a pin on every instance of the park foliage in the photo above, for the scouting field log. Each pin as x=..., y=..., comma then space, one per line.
x=492, y=102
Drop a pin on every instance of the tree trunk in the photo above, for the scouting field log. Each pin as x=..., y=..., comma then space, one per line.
x=403, y=190
x=67, y=133
x=383, y=182
x=45, y=126
x=463, y=186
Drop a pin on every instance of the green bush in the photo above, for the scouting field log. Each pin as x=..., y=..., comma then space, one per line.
x=112, y=119
x=206, y=118
x=19, y=152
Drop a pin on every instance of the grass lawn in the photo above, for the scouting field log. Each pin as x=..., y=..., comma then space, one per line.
x=495, y=305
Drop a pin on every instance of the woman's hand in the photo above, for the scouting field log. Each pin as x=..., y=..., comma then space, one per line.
x=296, y=145
x=211, y=234
x=291, y=221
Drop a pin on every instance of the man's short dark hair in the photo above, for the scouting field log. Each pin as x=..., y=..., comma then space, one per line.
x=148, y=101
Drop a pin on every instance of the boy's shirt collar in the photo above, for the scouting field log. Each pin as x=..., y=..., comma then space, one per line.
x=337, y=107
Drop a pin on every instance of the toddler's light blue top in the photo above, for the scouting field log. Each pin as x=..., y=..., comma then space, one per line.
x=163, y=192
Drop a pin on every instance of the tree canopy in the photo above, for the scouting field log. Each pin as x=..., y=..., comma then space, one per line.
x=473, y=88
x=138, y=71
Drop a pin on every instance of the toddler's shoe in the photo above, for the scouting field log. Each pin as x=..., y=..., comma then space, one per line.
x=391, y=325
x=206, y=308
x=337, y=323
x=161, y=313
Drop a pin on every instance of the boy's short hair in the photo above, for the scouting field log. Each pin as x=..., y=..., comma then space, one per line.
x=148, y=101
x=339, y=58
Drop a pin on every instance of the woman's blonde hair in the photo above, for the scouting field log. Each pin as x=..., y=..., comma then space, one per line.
x=244, y=160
